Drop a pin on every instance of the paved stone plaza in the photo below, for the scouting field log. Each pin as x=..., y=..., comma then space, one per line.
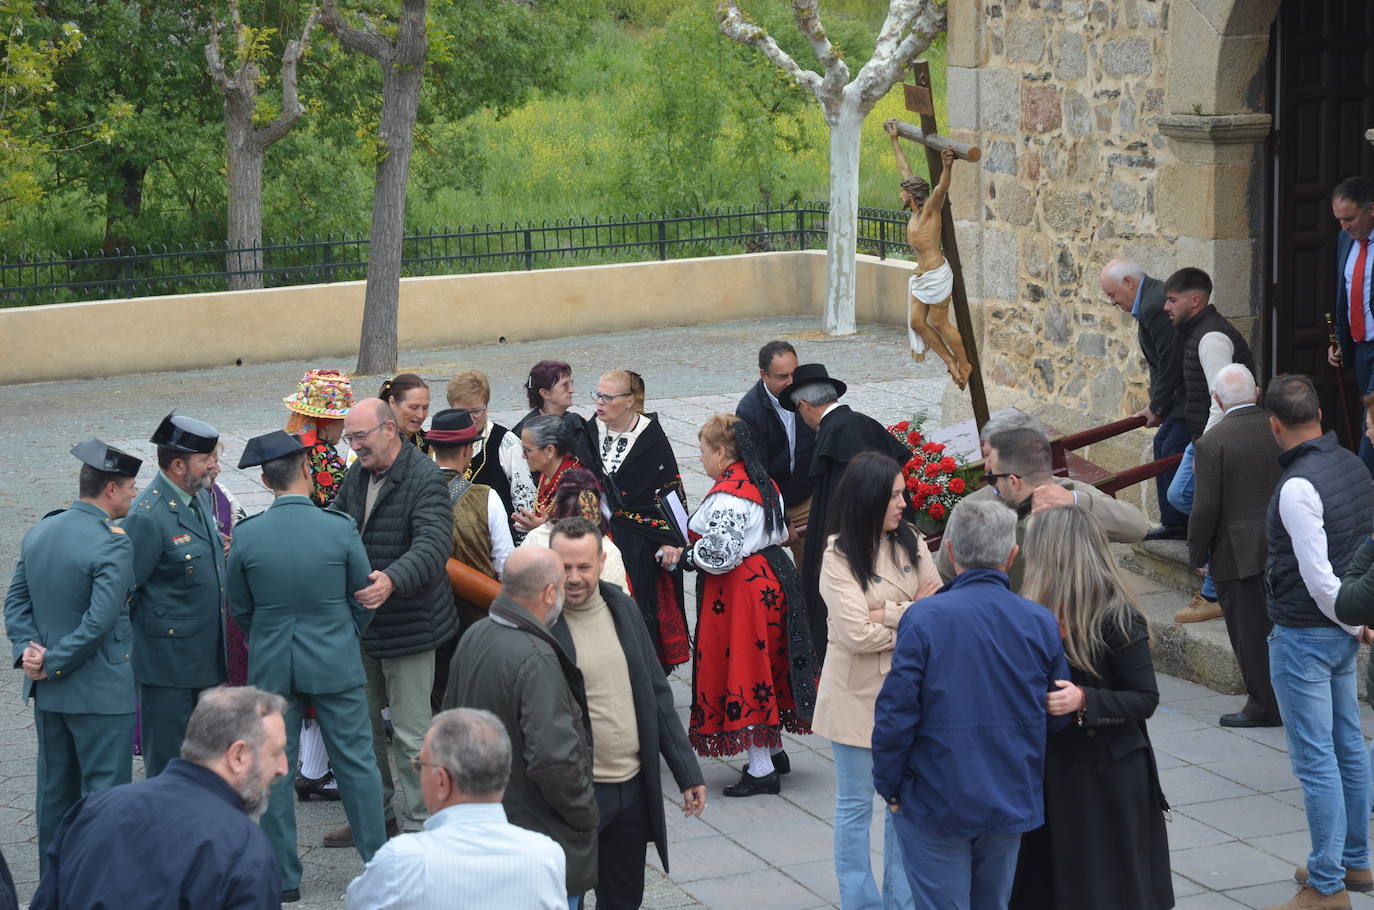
x=1238, y=827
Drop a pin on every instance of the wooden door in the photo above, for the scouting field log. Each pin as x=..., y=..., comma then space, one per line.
x=1322, y=99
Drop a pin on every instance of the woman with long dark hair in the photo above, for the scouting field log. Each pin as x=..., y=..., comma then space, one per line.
x=1104, y=842
x=875, y=565
x=753, y=668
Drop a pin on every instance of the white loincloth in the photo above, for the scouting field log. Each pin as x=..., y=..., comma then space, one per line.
x=932, y=288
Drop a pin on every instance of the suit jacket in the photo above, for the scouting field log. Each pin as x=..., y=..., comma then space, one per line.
x=70, y=593
x=1236, y=465
x=292, y=573
x=794, y=481
x=178, y=607
x=660, y=728
x=1163, y=350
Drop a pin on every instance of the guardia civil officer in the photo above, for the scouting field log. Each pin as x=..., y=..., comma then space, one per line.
x=178, y=605
x=67, y=617
x=292, y=573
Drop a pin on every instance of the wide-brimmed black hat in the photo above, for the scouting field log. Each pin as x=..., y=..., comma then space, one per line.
x=269, y=447
x=185, y=434
x=806, y=374
x=107, y=458
x=453, y=426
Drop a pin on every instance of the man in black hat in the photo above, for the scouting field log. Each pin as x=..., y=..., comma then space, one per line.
x=840, y=435
x=67, y=617
x=178, y=607
x=293, y=571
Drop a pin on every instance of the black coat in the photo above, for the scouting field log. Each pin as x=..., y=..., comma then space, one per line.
x=660, y=728
x=1163, y=350
x=1104, y=842
x=409, y=537
x=842, y=435
x=792, y=473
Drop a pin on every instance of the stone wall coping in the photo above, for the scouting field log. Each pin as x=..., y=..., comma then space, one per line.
x=1217, y=129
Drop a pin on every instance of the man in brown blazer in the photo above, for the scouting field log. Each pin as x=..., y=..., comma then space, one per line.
x=1237, y=468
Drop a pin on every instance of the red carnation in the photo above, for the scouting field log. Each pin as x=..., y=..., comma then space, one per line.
x=913, y=438
x=937, y=511
x=948, y=465
x=912, y=483
x=957, y=485
x=918, y=502
x=903, y=426
x=932, y=469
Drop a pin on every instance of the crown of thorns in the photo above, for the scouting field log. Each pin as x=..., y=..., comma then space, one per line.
x=916, y=186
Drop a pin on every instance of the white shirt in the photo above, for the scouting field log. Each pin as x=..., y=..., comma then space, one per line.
x=1364, y=292
x=789, y=425
x=468, y=856
x=499, y=529
x=1216, y=351
x=616, y=447
x=731, y=528
x=1300, y=510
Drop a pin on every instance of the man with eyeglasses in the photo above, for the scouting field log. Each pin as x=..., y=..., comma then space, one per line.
x=1020, y=472
x=398, y=500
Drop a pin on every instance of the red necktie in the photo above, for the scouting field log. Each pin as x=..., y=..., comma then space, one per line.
x=1357, y=294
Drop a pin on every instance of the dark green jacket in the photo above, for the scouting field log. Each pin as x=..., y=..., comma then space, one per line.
x=511, y=665
x=70, y=593
x=178, y=606
x=293, y=570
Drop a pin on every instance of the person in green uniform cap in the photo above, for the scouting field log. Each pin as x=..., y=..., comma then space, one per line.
x=292, y=573
x=67, y=616
x=178, y=605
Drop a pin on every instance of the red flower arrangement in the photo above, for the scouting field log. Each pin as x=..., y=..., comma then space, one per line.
x=931, y=476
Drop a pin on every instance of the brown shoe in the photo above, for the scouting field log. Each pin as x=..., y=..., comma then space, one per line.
x=1355, y=879
x=1309, y=898
x=1198, y=609
x=343, y=837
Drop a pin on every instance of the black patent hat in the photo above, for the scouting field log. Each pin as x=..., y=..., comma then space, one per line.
x=807, y=374
x=453, y=426
x=185, y=434
x=98, y=455
x=269, y=447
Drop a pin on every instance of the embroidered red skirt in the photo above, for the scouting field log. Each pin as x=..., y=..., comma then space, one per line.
x=741, y=689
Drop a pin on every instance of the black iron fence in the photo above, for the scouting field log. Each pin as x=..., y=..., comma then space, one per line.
x=200, y=267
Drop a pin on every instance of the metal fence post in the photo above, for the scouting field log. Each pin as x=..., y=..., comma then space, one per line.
x=662, y=238
x=529, y=249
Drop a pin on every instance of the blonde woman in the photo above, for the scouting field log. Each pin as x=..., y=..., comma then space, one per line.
x=1104, y=843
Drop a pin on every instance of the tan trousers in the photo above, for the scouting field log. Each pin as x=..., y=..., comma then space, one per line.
x=797, y=516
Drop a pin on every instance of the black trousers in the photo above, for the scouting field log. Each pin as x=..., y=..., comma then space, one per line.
x=1247, y=623
x=620, y=844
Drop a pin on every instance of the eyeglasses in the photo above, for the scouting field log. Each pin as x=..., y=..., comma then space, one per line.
x=351, y=438
x=476, y=412
x=603, y=397
x=990, y=478
x=416, y=764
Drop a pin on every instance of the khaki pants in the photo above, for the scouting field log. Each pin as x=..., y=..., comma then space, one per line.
x=797, y=516
x=403, y=683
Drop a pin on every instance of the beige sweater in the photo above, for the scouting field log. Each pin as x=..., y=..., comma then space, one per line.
x=615, y=735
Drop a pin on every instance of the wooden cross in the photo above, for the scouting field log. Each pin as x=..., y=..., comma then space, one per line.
x=919, y=100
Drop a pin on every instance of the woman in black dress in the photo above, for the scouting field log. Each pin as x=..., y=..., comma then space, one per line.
x=1103, y=843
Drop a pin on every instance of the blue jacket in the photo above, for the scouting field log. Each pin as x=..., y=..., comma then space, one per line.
x=180, y=839
x=959, y=731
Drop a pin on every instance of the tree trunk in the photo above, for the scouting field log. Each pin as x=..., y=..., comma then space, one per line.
x=122, y=202
x=401, y=78
x=244, y=154
x=845, y=120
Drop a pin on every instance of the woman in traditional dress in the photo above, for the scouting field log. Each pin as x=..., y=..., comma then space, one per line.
x=408, y=397
x=318, y=407
x=496, y=459
x=1104, y=842
x=549, y=389
x=753, y=666
x=873, y=567
x=547, y=448
x=630, y=454
x=579, y=495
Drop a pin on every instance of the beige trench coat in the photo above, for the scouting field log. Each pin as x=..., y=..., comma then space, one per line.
x=859, y=654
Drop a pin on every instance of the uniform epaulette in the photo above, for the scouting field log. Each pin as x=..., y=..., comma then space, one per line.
x=116, y=530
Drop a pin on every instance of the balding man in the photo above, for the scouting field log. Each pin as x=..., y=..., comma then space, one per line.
x=1237, y=467
x=398, y=500
x=511, y=665
x=1132, y=291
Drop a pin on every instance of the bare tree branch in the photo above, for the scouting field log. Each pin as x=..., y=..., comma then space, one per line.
x=290, y=100
x=364, y=42
x=212, y=56
x=892, y=53
x=737, y=28
x=808, y=16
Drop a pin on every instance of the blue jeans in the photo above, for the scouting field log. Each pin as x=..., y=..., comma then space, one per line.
x=853, y=813
x=958, y=873
x=1313, y=672
x=1181, y=498
x=1170, y=439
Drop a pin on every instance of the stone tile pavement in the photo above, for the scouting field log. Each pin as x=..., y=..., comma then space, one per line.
x=1237, y=829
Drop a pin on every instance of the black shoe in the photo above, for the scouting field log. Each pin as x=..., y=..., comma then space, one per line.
x=1167, y=532
x=781, y=764
x=1241, y=719
x=307, y=787
x=290, y=897
x=749, y=785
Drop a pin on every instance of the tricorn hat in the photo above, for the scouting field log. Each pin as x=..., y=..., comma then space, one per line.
x=269, y=447
x=322, y=393
x=185, y=434
x=807, y=374
x=452, y=427
x=107, y=458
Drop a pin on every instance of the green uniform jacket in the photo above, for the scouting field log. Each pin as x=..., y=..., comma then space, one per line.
x=178, y=607
x=70, y=593
x=292, y=573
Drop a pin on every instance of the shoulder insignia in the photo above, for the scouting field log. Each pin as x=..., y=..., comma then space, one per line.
x=115, y=530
